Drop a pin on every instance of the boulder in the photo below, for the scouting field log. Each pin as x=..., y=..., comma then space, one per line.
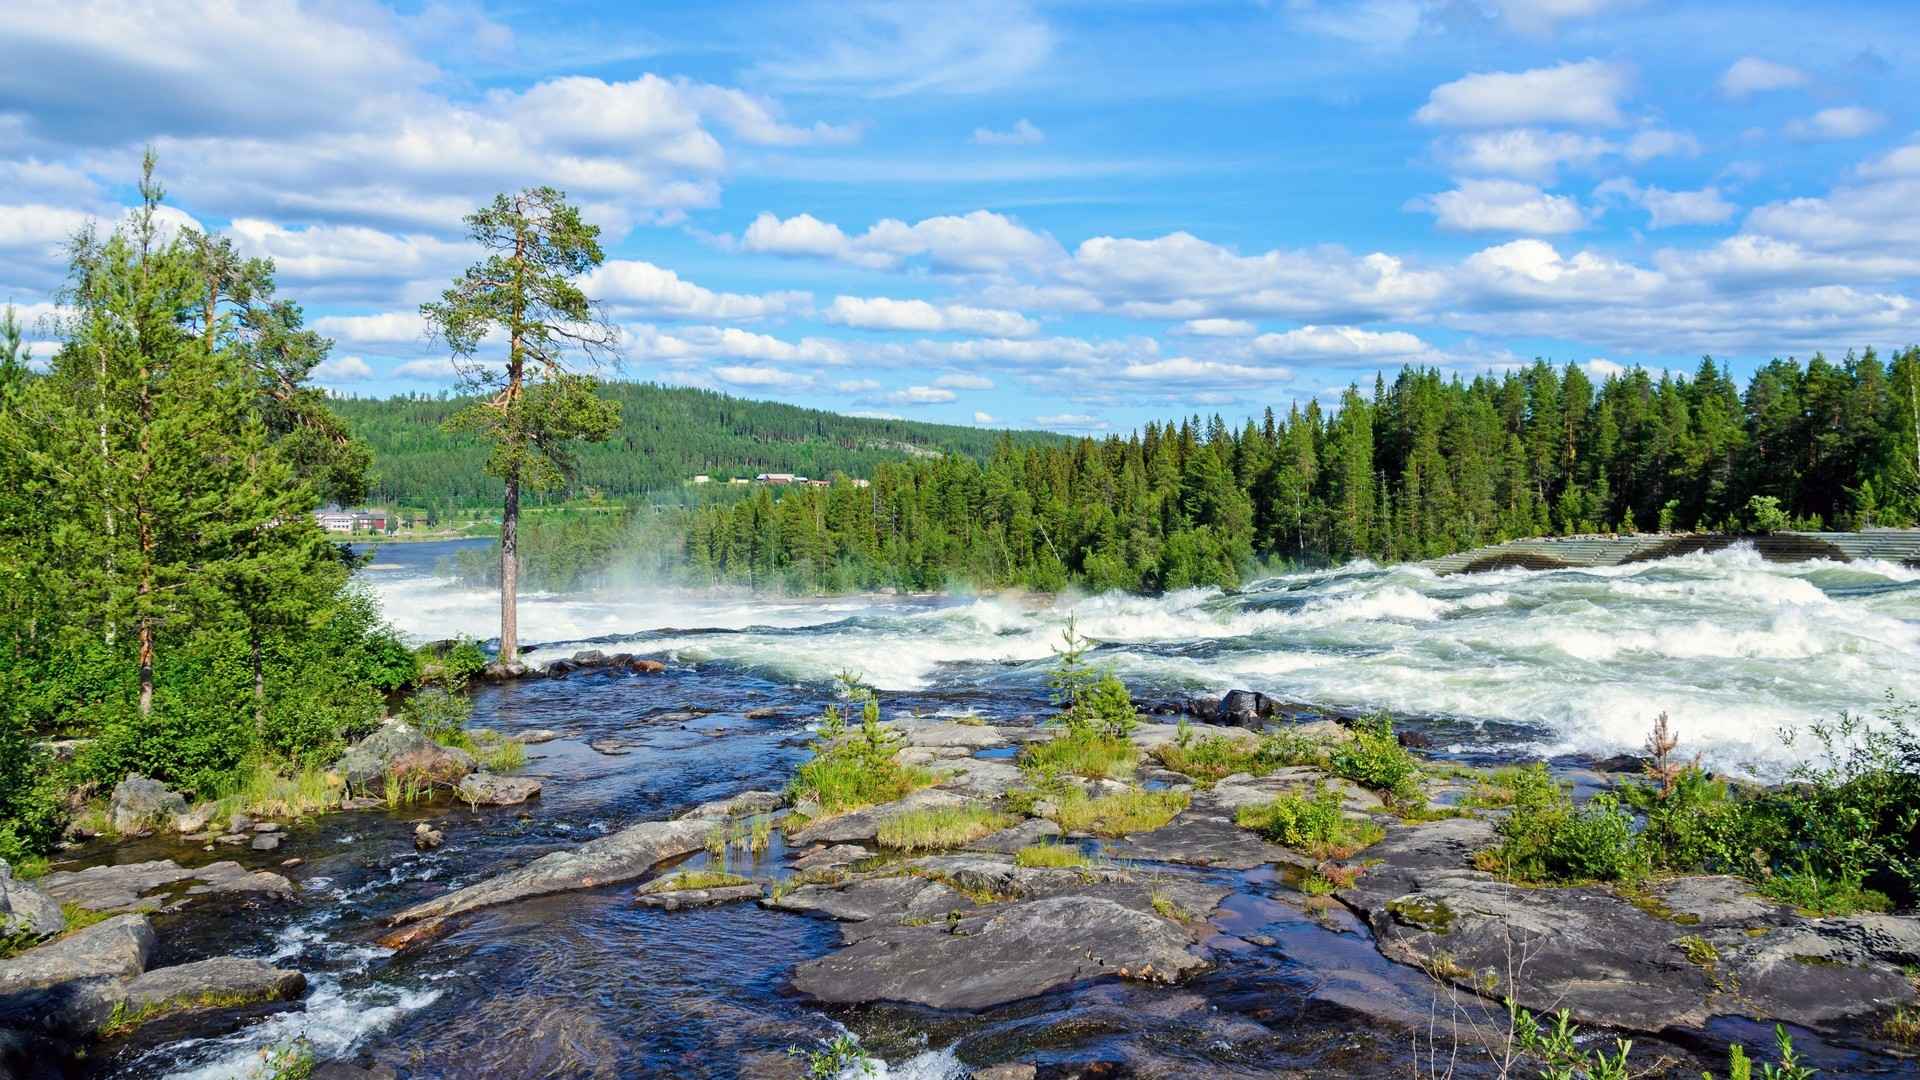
x=140, y=803
x=646, y=667
x=195, y=819
x=222, y=982
x=538, y=735
x=414, y=935
x=1244, y=708
x=498, y=672
x=487, y=789
x=365, y=764
x=133, y=886
x=677, y=899
x=609, y=860
x=433, y=766
x=559, y=669
x=590, y=658
x=117, y=948
x=25, y=910
x=1006, y=955
x=426, y=837
x=265, y=842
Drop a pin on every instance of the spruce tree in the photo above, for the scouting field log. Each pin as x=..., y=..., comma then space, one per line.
x=531, y=403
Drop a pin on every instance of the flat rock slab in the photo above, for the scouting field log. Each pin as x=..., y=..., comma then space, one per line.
x=689, y=898
x=222, y=982
x=487, y=789
x=865, y=824
x=610, y=860
x=978, y=778
x=1017, y=952
x=1204, y=835
x=132, y=886
x=1242, y=789
x=871, y=898
x=1026, y=834
x=1704, y=947
x=947, y=733
x=115, y=948
x=832, y=858
x=745, y=803
x=538, y=736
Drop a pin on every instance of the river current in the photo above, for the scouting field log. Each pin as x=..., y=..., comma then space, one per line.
x=1563, y=664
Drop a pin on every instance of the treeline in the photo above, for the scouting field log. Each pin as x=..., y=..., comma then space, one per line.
x=1425, y=466
x=166, y=596
x=666, y=436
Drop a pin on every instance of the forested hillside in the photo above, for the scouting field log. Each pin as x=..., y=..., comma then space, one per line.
x=1423, y=466
x=667, y=434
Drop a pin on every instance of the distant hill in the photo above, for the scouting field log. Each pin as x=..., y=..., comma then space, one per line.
x=667, y=435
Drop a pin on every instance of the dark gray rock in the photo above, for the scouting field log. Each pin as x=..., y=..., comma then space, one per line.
x=1010, y=954
x=367, y=763
x=265, y=842
x=116, y=948
x=222, y=982
x=1027, y=833
x=133, y=886
x=831, y=858
x=498, y=672
x=1244, y=708
x=689, y=898
x=1204, y=835
x=141, y=803
x=25, y=909
x=871, y=898
x=1703, y=947
x=619, y=857
x=487, y=789
x=741, y=805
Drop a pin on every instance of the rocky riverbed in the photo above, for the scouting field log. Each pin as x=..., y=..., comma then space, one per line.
x=628, y=922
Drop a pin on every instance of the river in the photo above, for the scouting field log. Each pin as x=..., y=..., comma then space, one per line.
x=1564, y=664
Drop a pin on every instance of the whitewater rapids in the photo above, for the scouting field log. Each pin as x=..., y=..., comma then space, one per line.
x=1734, y=648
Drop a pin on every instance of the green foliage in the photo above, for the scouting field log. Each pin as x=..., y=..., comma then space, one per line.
x=286, y=1061
x=1314, y=824
x=1375, y=759
x=1085, y=753
x=1764, y=514
x=940, y=827
x=1051, y=856
x=835, y=1057
x=1558, y=1051
x=1789, y=1067
x=850, y=770
x=439, y=712
x=1545, y=838
x=1119, y=814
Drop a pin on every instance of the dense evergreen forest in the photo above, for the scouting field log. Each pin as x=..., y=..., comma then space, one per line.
x=1423, y=466
x=666, y=436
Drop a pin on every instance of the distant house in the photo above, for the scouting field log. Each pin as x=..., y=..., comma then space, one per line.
x=702, y=478
x=335, y=520
x=780, y=478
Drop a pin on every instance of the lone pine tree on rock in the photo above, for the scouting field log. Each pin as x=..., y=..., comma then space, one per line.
x=529, y=404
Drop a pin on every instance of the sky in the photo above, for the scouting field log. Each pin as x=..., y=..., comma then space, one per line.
x=1076, y=216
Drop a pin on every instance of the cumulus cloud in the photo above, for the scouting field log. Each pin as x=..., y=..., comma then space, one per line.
x=1023, y=133
x=1752, y=75
x=753, y=375
x=1337, y=343
x=342, y=369
x=1525, y=153
x=437, y=370
x=883, y=313
x=1666, y=209
x=982, y=417
x=1187, y=371
x=963, y=381
x=1071, y=422
x=1842, y=122
x=1502, y=206
x=1583, y=93
x=1217, y=328
x=981, y=240
x=857, y=386
x=386, y=328
x=920, y=395
x=1659, y=142
x=637, y=287
x=649, y=342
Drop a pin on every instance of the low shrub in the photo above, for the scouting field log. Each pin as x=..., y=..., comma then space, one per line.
x=1374, y=758
x=939, y=827
x=1544, y=838
x=1051, y=856
x=1081, y=753
x=850, y=770
x=1314, y=824
x=1212, y=757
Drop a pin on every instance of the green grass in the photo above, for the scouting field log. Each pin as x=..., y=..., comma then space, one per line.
x=1051, y=856
x=1812, y=894
x=1096, y=757
x=1315, y=825
x=124, y=1020
x=1169, y=910
x=940, y=827
x=1212, y=758
x=287, y=1061
x=492, y=753
x=692, y=879
x=265, y=790
x=1374, y=758
x=1494, y=790
x=1119, y=814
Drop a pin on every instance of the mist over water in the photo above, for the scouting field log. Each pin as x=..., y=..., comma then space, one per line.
x=1550, y=662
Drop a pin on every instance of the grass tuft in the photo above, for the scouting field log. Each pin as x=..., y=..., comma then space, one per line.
x=1119, y=814
x=940, y=827
x=1315, y=825
x=1094, y=756
x=687, y=880
x=1051, y=856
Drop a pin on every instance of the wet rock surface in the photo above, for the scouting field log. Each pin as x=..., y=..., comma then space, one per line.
x=1704, y=947
x=488, y=789
x=26, y=909
x=154, y=885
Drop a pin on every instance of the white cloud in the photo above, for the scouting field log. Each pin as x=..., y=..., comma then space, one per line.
x=883, y=313
x=339, y=369
x=982, y=417
x=857, y=386
x=1071, y=422
x=1337, y=343
x=978, y=241
x=1378, y=24
x=1659, y=142
x=963, y=381
x=1865, y=219
x=439, y=370
x=1187, y=371
x=351, y=261
x=920, y=395
x=1843, y=122
x=1904, y=161
x=1587, y=92
x=387, y=328
x=1023, y=133
x=1541, y=16
x=1666, y=209
x=1526, y=153
x=633, y=286
x=1502, y=206
x=1752, y=75
x=1534, y=270
x=648, y=342
x=745, y=375
x=889, y=51
x=1217, y=328
x=757, y=119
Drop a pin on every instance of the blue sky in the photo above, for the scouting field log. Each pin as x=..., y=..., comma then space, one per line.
x=1077, y=215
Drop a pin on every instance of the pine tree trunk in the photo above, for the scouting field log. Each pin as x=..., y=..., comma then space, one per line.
x=259, y=690
x=146, y=663
x=510, y=573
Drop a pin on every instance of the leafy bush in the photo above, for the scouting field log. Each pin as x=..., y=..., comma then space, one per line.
x=439, y=712
x=1544, y=838
x=1375, y=759
x=1313, y=824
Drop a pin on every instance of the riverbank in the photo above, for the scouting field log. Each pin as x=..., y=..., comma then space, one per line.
x=1121, y=921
